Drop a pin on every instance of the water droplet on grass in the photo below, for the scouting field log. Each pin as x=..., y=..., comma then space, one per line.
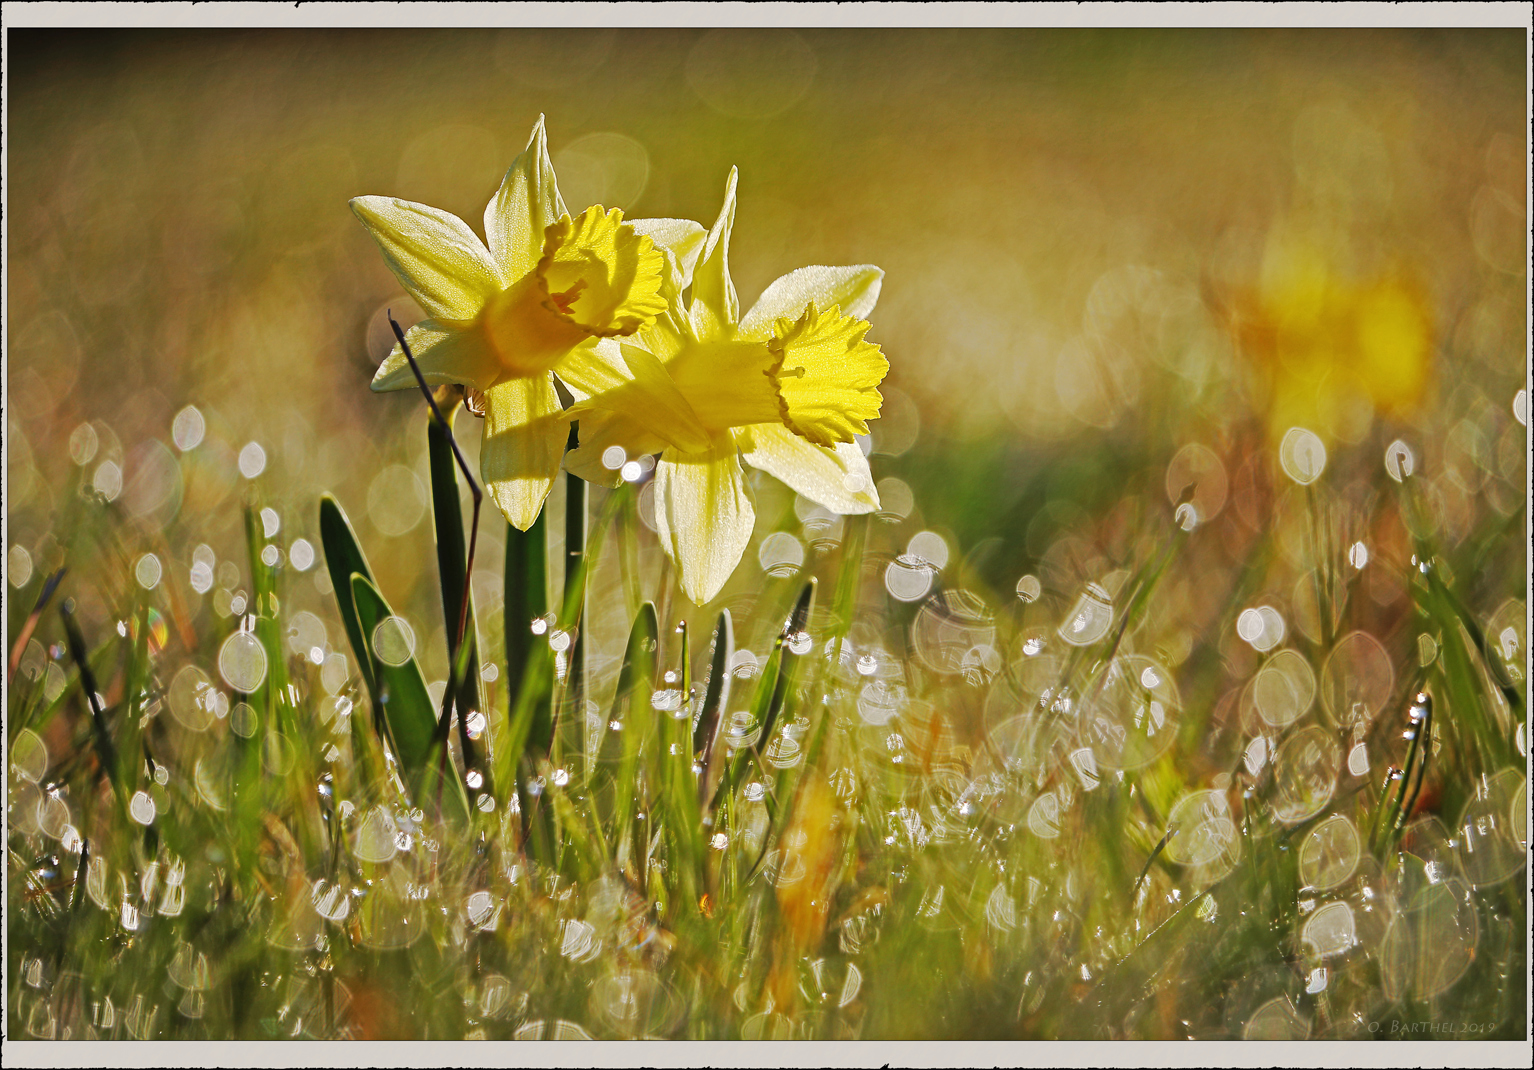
x=780, y=554
x=83, y=444
x=1302, y=455
x=1399, y=461
x=1090, y=618
x=1029, y=589
x=1356, y=680
x=243, y=720
x=301, y=555
x=1284, y=688
x=187, y=429
x=1202, y=829
x=1305, y=774
x=108, y=481
x=29, y=756
x=19, y=565
x=906, y=580
x=375, y=840
x=393, y=641
x=252, y=460
x=1330, y=853
x=242, y=662
x=141, y=808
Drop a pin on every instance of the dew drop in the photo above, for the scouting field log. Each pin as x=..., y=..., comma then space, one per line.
x=929, y=548
x=376, y=840
x=242, y=662
x=187, y=429
x=301, y=555
x=1399, y=460
x=141, y=808
x=1302, y=456
x=393, y=641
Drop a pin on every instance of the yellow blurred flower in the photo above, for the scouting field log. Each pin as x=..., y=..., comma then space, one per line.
x=537, y=296
x=787, y=386
x=1334, y=350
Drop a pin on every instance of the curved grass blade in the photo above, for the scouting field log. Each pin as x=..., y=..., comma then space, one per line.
x=408, y=717
x=678, y=784
x=843, y=605
x=527, y=600
x=716, y=694
x=263, y=608
x=25, y=632
x=452, y=557
x=632, y=711
x=343, y=559
x=575, y=575
x=106, y=753
x=772, y=692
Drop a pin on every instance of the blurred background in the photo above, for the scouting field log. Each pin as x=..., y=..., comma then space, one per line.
x=1100, y=246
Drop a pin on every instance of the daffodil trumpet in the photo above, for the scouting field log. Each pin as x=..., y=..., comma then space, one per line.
x=787, y=387
x=536, y=297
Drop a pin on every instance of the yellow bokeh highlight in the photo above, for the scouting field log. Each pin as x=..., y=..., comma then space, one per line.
x=1332, y=349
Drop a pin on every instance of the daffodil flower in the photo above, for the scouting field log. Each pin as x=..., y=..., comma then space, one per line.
x=538, y=296
x=787, y=386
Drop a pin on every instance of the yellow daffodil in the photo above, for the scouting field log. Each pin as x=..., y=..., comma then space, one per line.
x=539, y=295
x=787, y=386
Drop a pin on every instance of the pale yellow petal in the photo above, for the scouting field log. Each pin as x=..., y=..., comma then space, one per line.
x=599, y=275
x=600, y=432
x=525, y=434
x=435, y=256
x=445, y=354
x=703, y=516
x=521, y=210
x=826, y=375
x=836, y=477
x=855, y=290
x=636, y=385
x=715, y=306
x=681, y=240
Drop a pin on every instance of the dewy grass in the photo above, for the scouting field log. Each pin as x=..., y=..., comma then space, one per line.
x=863, y=797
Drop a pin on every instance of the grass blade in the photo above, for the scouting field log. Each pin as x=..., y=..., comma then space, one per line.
x=632, y=712
x=263, y=608
x=452, y=558
x=527, y=600
x=344, y=559
x=407, y=714
x=106, y=753
x=575, y=577
x=716, y=695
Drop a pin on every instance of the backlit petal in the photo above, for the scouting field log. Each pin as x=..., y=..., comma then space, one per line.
x=837, y=477
x=525, y=434
x=854, y=290
x=444, y=354
x=826, y=375
x=601, y=431
x=527, y=202
x=435, y=256
x=636, y=385
x=681, y=240
x=600, y=275
x=703, y=516
x=715, y=306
